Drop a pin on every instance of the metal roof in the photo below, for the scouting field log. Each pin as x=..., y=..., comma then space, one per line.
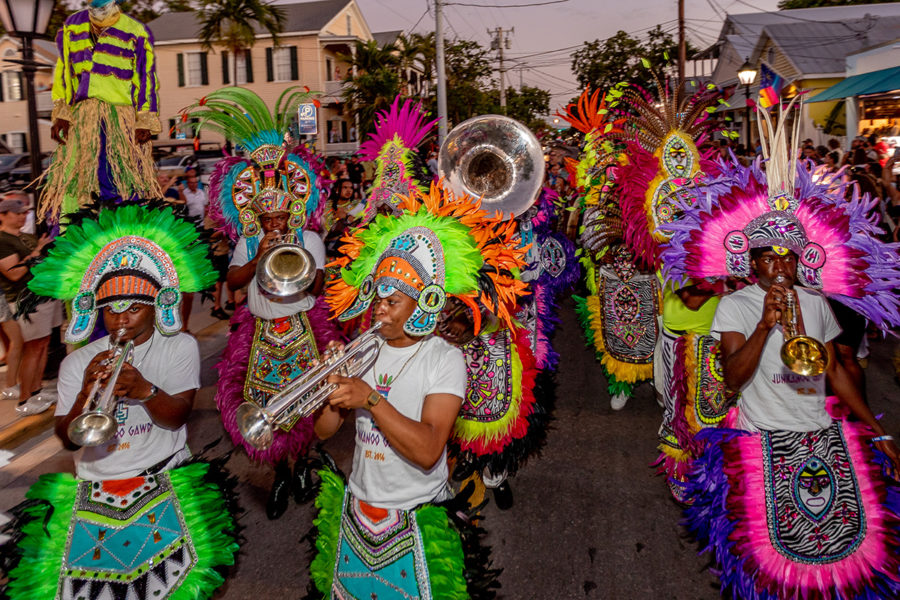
x=876, y=82
x=386, y=37
x=819, y=48
x=300, y=16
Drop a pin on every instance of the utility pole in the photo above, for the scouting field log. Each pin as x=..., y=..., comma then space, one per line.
x=441, y=72
x=500, y=41
x=682, y=45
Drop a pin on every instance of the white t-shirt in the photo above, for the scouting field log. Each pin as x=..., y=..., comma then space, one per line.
x=776, y=398
x=311, y=241
x=381, y=476
x=195, y=201
x=172, y=363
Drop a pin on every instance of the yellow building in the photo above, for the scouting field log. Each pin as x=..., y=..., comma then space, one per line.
x=315, y=36
x=13, y=107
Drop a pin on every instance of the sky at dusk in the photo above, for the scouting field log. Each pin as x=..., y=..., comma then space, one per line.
x=545, y=36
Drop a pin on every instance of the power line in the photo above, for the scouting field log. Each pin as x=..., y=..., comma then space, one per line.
x=505, y=5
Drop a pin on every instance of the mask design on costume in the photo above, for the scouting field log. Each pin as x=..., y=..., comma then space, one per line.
x=414, y=265
x=814, y=488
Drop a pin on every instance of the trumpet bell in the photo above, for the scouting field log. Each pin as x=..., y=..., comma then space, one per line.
x=285, y=272
x=494, y=158
x=254, y=425
x=92, y=429
x=804, y=355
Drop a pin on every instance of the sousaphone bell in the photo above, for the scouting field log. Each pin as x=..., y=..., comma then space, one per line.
x=494, y=158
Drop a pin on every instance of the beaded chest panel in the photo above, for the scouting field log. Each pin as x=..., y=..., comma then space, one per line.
x=282, y=350
x=711, y=400
x=813, y=506
x=380, y=555
x=629, y=310
x=489, y=377
x=128, y=539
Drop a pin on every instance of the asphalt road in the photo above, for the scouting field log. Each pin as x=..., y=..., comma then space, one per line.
x=590, y=520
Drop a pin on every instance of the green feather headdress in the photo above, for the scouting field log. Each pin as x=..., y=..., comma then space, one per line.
x=122, y=255
x=242, y=116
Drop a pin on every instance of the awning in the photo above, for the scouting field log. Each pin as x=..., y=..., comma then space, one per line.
x=876, y=82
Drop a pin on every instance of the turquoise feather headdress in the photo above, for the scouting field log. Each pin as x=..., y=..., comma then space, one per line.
x=123, y=255
x=273, y=180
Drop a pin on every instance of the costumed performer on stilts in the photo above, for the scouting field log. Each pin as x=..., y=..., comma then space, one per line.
x=385, y=532
x=105, y=109
x=792, y=503
x=271, y=197
x=135, y=521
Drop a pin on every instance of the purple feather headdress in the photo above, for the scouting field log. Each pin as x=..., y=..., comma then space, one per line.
x=833, y=237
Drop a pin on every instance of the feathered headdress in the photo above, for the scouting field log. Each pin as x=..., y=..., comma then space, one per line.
x=122, y=255
x=439, y=245
x=274, y=179
x=397, y=133
x=786, y=208
x=661, y=158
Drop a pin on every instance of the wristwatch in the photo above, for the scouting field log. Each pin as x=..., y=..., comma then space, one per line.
x=153, y=391
x=372, y=399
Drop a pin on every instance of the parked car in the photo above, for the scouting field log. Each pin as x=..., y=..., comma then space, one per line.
x=21, y=176
x=8, y=163
x=176, y=162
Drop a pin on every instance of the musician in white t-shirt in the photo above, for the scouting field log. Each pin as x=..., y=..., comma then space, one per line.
x=405, y=407
x=749, y=324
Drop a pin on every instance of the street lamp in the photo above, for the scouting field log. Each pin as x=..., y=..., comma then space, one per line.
x=747, y=75
x=28, y=19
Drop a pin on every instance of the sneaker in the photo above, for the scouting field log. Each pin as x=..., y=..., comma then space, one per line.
x=618, y=401
x=229, y=306
x=10, y=393
x=36, y=404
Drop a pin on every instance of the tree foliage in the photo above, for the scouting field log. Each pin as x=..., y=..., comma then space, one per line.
x=604, y=63
x=232, y=24
x=372, y=81
x=791, y=4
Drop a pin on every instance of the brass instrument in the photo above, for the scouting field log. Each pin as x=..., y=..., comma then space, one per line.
x=802, y=354
x=97, y=424
x=286, y=269
x=494, y=158
x=308, y=392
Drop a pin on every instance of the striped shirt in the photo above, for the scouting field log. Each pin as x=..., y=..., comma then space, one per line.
x=118, y=68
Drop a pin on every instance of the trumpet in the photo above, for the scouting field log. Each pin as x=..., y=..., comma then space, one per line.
x=97, y=425
x=802, y=354
x=309, y=391
x=286, y=269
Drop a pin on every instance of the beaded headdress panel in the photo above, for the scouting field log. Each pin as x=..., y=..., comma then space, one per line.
x=120, y=256
x=274, y=179
x=438, y=246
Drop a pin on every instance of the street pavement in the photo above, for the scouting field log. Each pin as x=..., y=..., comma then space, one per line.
x=590, y=519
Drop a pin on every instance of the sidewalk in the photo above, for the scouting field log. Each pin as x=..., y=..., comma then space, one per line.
x=209, y=331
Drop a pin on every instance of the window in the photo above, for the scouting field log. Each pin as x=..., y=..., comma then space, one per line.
x=12, y=86
x=281, y=64
x=192, y=69
x=349, y=26
x=337, y=131
x=329, y=69
x=241, y=60
x=282, y=61
x=16, y=141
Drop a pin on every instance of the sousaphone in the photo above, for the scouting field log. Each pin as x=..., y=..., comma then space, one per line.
x=494, y=158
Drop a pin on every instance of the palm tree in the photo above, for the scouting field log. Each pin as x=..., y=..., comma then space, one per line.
x=231, y=23
x=372, y=81
x=427, y=54
x=408, y=54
